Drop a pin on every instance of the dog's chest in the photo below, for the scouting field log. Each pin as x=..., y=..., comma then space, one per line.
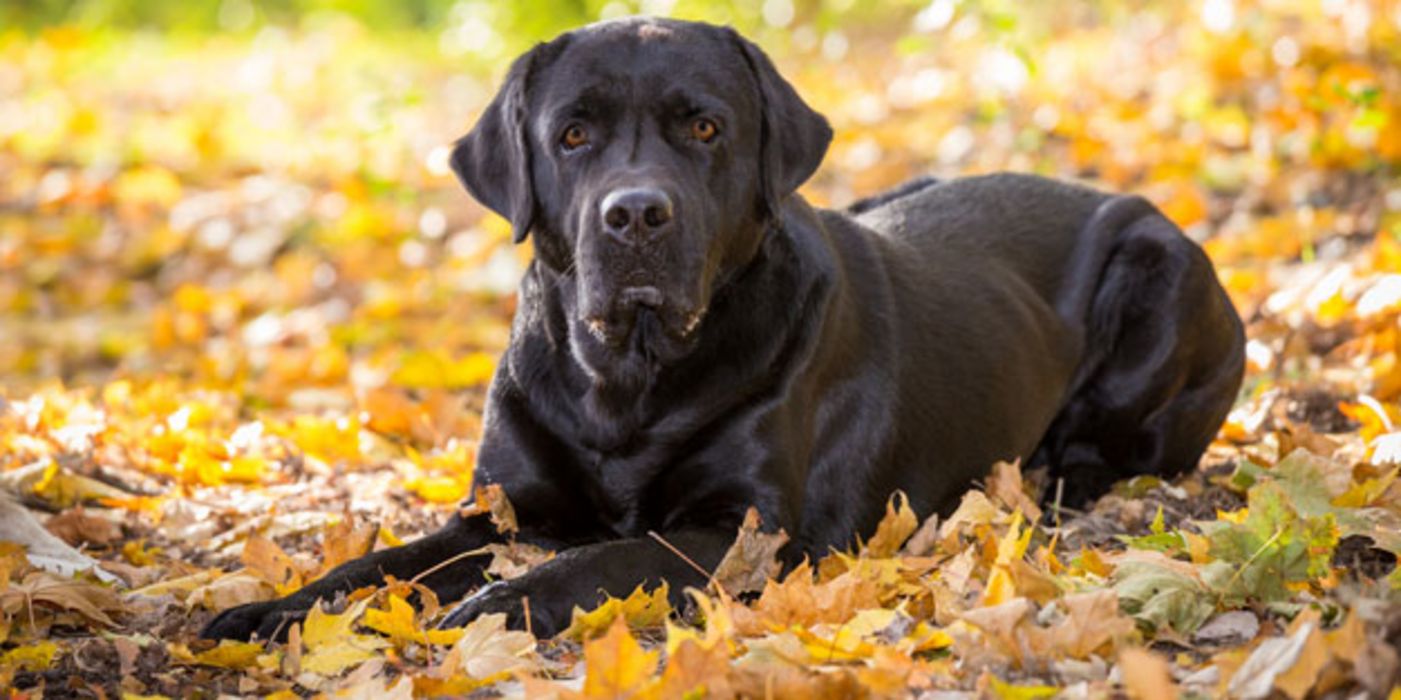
x=620, y=492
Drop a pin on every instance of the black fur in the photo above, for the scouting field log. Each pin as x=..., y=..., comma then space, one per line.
x=752, y=350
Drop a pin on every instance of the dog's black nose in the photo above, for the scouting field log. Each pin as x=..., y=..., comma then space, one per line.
x=635, y=211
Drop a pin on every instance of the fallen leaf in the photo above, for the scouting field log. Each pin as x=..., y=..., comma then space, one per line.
x=752, y=560
x=487, y=650
x=1146, y=675
x=40, y=588
x=1005, y=485
x=898, y=524
x=639, y=609
x=617, y=665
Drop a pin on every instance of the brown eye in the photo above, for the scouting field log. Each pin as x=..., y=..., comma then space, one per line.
x=574, y=137
x=704, y=130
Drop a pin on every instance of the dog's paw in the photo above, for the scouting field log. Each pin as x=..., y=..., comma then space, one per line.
x=267, y=621
x=510, y=599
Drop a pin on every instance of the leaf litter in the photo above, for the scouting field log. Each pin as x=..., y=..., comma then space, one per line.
x=232, y=369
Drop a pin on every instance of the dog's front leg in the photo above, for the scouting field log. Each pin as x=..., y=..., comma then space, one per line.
x=583, y=576
x=271, y=619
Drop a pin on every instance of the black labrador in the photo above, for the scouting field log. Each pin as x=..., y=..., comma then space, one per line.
x=693, y=338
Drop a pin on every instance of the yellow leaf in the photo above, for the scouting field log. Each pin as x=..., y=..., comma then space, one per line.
x=639, y=609
x=1007, y=691
x=898, y=524
x=332, y=645
x=617, y=665
x=32, y=657
x=696, y=671
x=399, y=624
x=1000, y=587
x=1366, y=493
x=230, y=654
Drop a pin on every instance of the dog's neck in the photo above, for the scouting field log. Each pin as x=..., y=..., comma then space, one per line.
x=615, y=406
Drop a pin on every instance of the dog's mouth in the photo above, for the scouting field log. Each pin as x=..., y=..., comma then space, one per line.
x=643, y=316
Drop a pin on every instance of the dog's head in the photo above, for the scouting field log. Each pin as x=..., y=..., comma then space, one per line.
x=647, y=156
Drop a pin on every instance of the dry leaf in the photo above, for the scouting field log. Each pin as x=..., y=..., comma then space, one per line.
x=898, y=524
x=491, y=499
x=41, y=588
x=752, y=560
x=617, y=665
x=1005, y=485
x=1146, y=675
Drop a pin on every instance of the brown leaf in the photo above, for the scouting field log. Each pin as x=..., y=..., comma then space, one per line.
x=1146, y=675
x=266, y=560
x=1272, y=665
x=491, y=499
x=345, y=541
x=1005, y=485
x=516, y=558
x=76, y=527
x=752, y=560
x=694, y=670
x=925, y=540
x=896, y=527
x=1092, y=621
x=43, y=588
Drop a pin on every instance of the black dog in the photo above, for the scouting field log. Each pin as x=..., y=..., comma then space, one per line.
x=693, y=338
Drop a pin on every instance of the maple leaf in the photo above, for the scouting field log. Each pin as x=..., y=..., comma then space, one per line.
x=1162, y=596
x=617, y=665
x=1147, y=676
x=331, y=643
x=898, y=524
x=487, y=650
x=228, y=654
x=1005, y=485
x=40, y=588
x=491, y=500
x=266, y=560
x=694, y=670
x=344, y=541
x=1272, y=547
x=399, y=623
x=639, y=609
x=1092, y=622
x=752, y=560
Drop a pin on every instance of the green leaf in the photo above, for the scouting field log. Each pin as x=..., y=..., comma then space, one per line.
x=1273, y=547
x=1159, y=597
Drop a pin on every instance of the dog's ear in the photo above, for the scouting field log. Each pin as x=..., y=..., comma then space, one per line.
x=493, y=160
x=793, y=137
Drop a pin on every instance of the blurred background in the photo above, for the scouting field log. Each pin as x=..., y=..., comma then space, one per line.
x=227, y=222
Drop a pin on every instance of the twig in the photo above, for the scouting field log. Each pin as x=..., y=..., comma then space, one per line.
x=525, y=603
x=447, y=562
x=710, y=577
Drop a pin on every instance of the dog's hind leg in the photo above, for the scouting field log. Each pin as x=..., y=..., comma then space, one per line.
x=1164, y=361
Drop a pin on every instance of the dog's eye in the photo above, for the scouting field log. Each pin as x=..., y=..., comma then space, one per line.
x=574, y=137
x=704, y=130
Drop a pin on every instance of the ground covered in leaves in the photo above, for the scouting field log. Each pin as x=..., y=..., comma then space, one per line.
x=246, y=318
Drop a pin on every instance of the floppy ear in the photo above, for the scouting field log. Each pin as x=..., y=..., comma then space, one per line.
x=493, y=160
x=793, y=137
